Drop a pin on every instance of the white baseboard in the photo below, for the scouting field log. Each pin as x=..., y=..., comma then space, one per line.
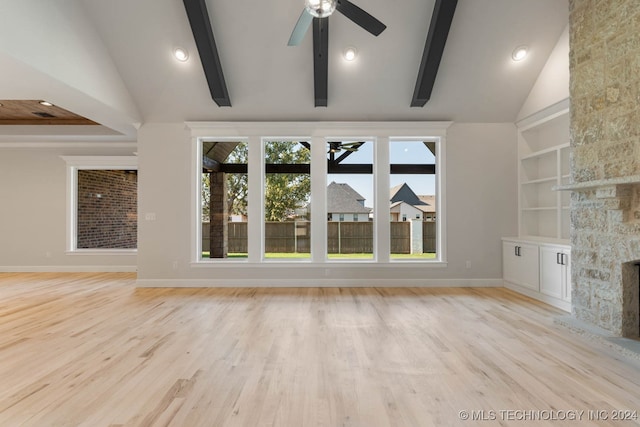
x=312, y=283
x=69, y=269
x=555, y=302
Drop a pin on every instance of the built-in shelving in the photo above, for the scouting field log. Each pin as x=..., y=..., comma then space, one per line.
x=543, y=151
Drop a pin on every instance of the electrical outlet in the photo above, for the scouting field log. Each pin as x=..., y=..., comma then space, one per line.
x=150, y=216
x=175, y=265
x=468, y=264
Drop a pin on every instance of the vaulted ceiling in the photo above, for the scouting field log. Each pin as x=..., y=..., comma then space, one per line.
x=111, y=61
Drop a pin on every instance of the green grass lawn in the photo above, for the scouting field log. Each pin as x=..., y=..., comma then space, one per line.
x=292, y=255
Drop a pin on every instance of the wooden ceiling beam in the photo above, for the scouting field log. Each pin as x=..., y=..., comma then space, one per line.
x=320, y=60
x=203, y=35
x=441, y=19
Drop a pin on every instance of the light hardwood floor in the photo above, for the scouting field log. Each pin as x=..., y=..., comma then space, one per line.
x=91, y=350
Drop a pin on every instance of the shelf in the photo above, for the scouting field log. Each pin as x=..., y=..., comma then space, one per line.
x=540, y=180
x=544, y=165
x=541, y=153
x=592, y=185
x=544, y=208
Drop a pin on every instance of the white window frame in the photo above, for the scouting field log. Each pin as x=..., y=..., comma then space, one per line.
x=263, y=152
x=317, y=133
x=74, y=164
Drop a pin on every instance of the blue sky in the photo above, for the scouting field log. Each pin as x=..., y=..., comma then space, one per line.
x=403, y=152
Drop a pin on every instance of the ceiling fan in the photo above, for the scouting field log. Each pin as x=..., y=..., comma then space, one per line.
x=336, y=146
x=324, y=8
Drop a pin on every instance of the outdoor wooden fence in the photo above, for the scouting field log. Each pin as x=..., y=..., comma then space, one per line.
x=342, y=237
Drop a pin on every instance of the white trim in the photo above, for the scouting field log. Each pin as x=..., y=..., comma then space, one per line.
x=307, y=263
x=102, y=252
x=26, y=145
x=381, y=185
x=380, y=133
x=312, y=283
x=319, y=202
x=551, y=112
x=322, y=129
x=101, y=162
x=255, y=177
x=555, y=302
x=69, y=269
x=74, y=164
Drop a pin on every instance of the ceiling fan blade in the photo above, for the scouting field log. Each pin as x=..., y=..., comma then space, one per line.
x=303, y=24
x=360, y=17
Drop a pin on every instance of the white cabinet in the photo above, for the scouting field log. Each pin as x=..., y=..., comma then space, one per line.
x=555, y=280
x=537, y=263
x=538, y=269
x=520, y=264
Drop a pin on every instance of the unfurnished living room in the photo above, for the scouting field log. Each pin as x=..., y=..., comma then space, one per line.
x=292, y=213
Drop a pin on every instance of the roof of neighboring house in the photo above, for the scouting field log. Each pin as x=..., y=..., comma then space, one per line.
x=405, y=194
x=429, y=203
x=341, y=198
x=346, y=187
x=397, y=204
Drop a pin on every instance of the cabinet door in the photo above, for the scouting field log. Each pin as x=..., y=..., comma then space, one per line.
x=551, y=271
x=520, y=264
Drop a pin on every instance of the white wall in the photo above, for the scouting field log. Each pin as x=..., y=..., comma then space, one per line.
x=65, y=60
x=481, y=208
x=552, y=85
x=33, y=209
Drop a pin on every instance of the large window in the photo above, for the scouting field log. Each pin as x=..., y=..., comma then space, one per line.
x=102, y=204
x=350, y=197
x=412, y=199
x=318, y=198
x=224, y=199
x=287, y=188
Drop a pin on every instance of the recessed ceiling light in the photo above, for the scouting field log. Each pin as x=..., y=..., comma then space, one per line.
x=350, y=53
x=181, y=54
x=520, y=53
x=46, y=103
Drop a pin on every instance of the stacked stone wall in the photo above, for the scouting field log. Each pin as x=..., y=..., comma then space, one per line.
x=605, y=141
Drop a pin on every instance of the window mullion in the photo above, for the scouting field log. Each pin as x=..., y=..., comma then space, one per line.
x=382, y=228
x=318, y=199
x=255, y=235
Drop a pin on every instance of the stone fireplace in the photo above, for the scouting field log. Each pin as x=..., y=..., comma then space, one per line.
x=605, y=163
x=605, y=237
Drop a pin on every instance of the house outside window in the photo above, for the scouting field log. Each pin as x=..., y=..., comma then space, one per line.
x=345, y=162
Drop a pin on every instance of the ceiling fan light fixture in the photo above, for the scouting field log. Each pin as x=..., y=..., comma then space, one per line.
x=520, y=53
x=350, y=53
x=320, y=8
x=181, y=54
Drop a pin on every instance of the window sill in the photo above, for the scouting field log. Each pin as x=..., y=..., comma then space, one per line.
x=226, y=263
x=102, y=252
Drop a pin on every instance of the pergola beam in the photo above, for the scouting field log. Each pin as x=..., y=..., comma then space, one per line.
x=332, y=167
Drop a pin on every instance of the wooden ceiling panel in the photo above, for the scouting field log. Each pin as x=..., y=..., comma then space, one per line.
x=31, y=112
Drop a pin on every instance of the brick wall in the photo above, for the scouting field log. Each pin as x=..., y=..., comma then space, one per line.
x=107, y=215
x=605, y=141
